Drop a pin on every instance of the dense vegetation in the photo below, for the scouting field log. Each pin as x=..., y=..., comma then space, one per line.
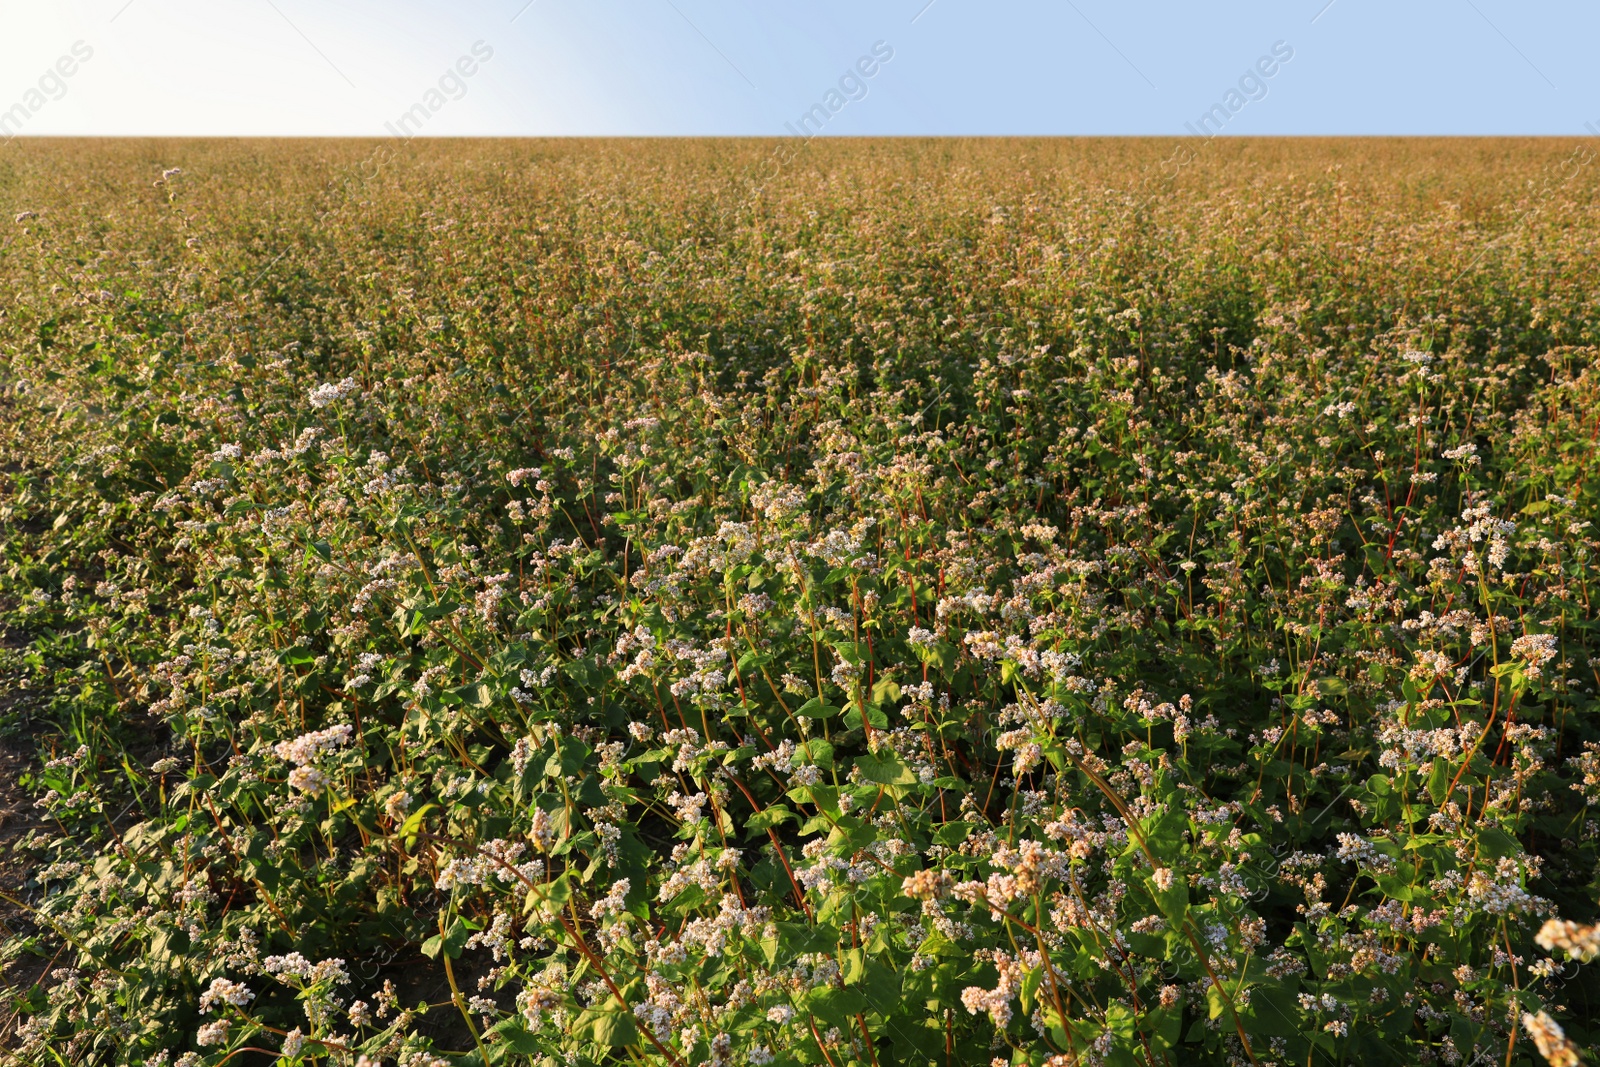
x=879, y=603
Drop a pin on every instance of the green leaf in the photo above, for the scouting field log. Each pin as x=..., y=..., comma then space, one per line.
x=774, y=815
x=1497, y=844
x=1273, y=1011
x=477, y=696
x=1173, y=900
x=836, y=1006
x=875, y=715
x=514, y=1035
x=1392, y=886
x=886, y=691
x=803, y=937
x=889, y=769
x=612, y=1029
x=1439, y=780
x=568, y=758
x=851, y=652
x=551, y=896
x=413, y=824
x=453, y=941
x=816, y=824
x=1030, y=986
x=816, y=709
x=816, y=752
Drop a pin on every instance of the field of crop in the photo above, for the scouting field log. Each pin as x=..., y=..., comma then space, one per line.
x=875, y=603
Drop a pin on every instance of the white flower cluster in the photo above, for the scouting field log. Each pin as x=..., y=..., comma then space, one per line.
x=710, y=935
x=328, y=393
x=223, y=991
x=1551, y=1041
x=613, y=903
x=1536, y=649
x=294, y=966
x=308, y=748
x=997, y=1001
x=702, y=873
x=1353, y=848
x=778, y=501
x=1575, y=939
x=495, y=861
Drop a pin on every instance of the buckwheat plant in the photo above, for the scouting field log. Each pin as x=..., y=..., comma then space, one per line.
x=1002, y=604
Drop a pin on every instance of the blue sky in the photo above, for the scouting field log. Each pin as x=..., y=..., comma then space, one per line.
x=676, y=67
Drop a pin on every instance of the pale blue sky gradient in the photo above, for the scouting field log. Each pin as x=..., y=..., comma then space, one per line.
x=680, y=67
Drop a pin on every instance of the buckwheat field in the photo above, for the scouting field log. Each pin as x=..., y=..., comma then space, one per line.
x=874, y=603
